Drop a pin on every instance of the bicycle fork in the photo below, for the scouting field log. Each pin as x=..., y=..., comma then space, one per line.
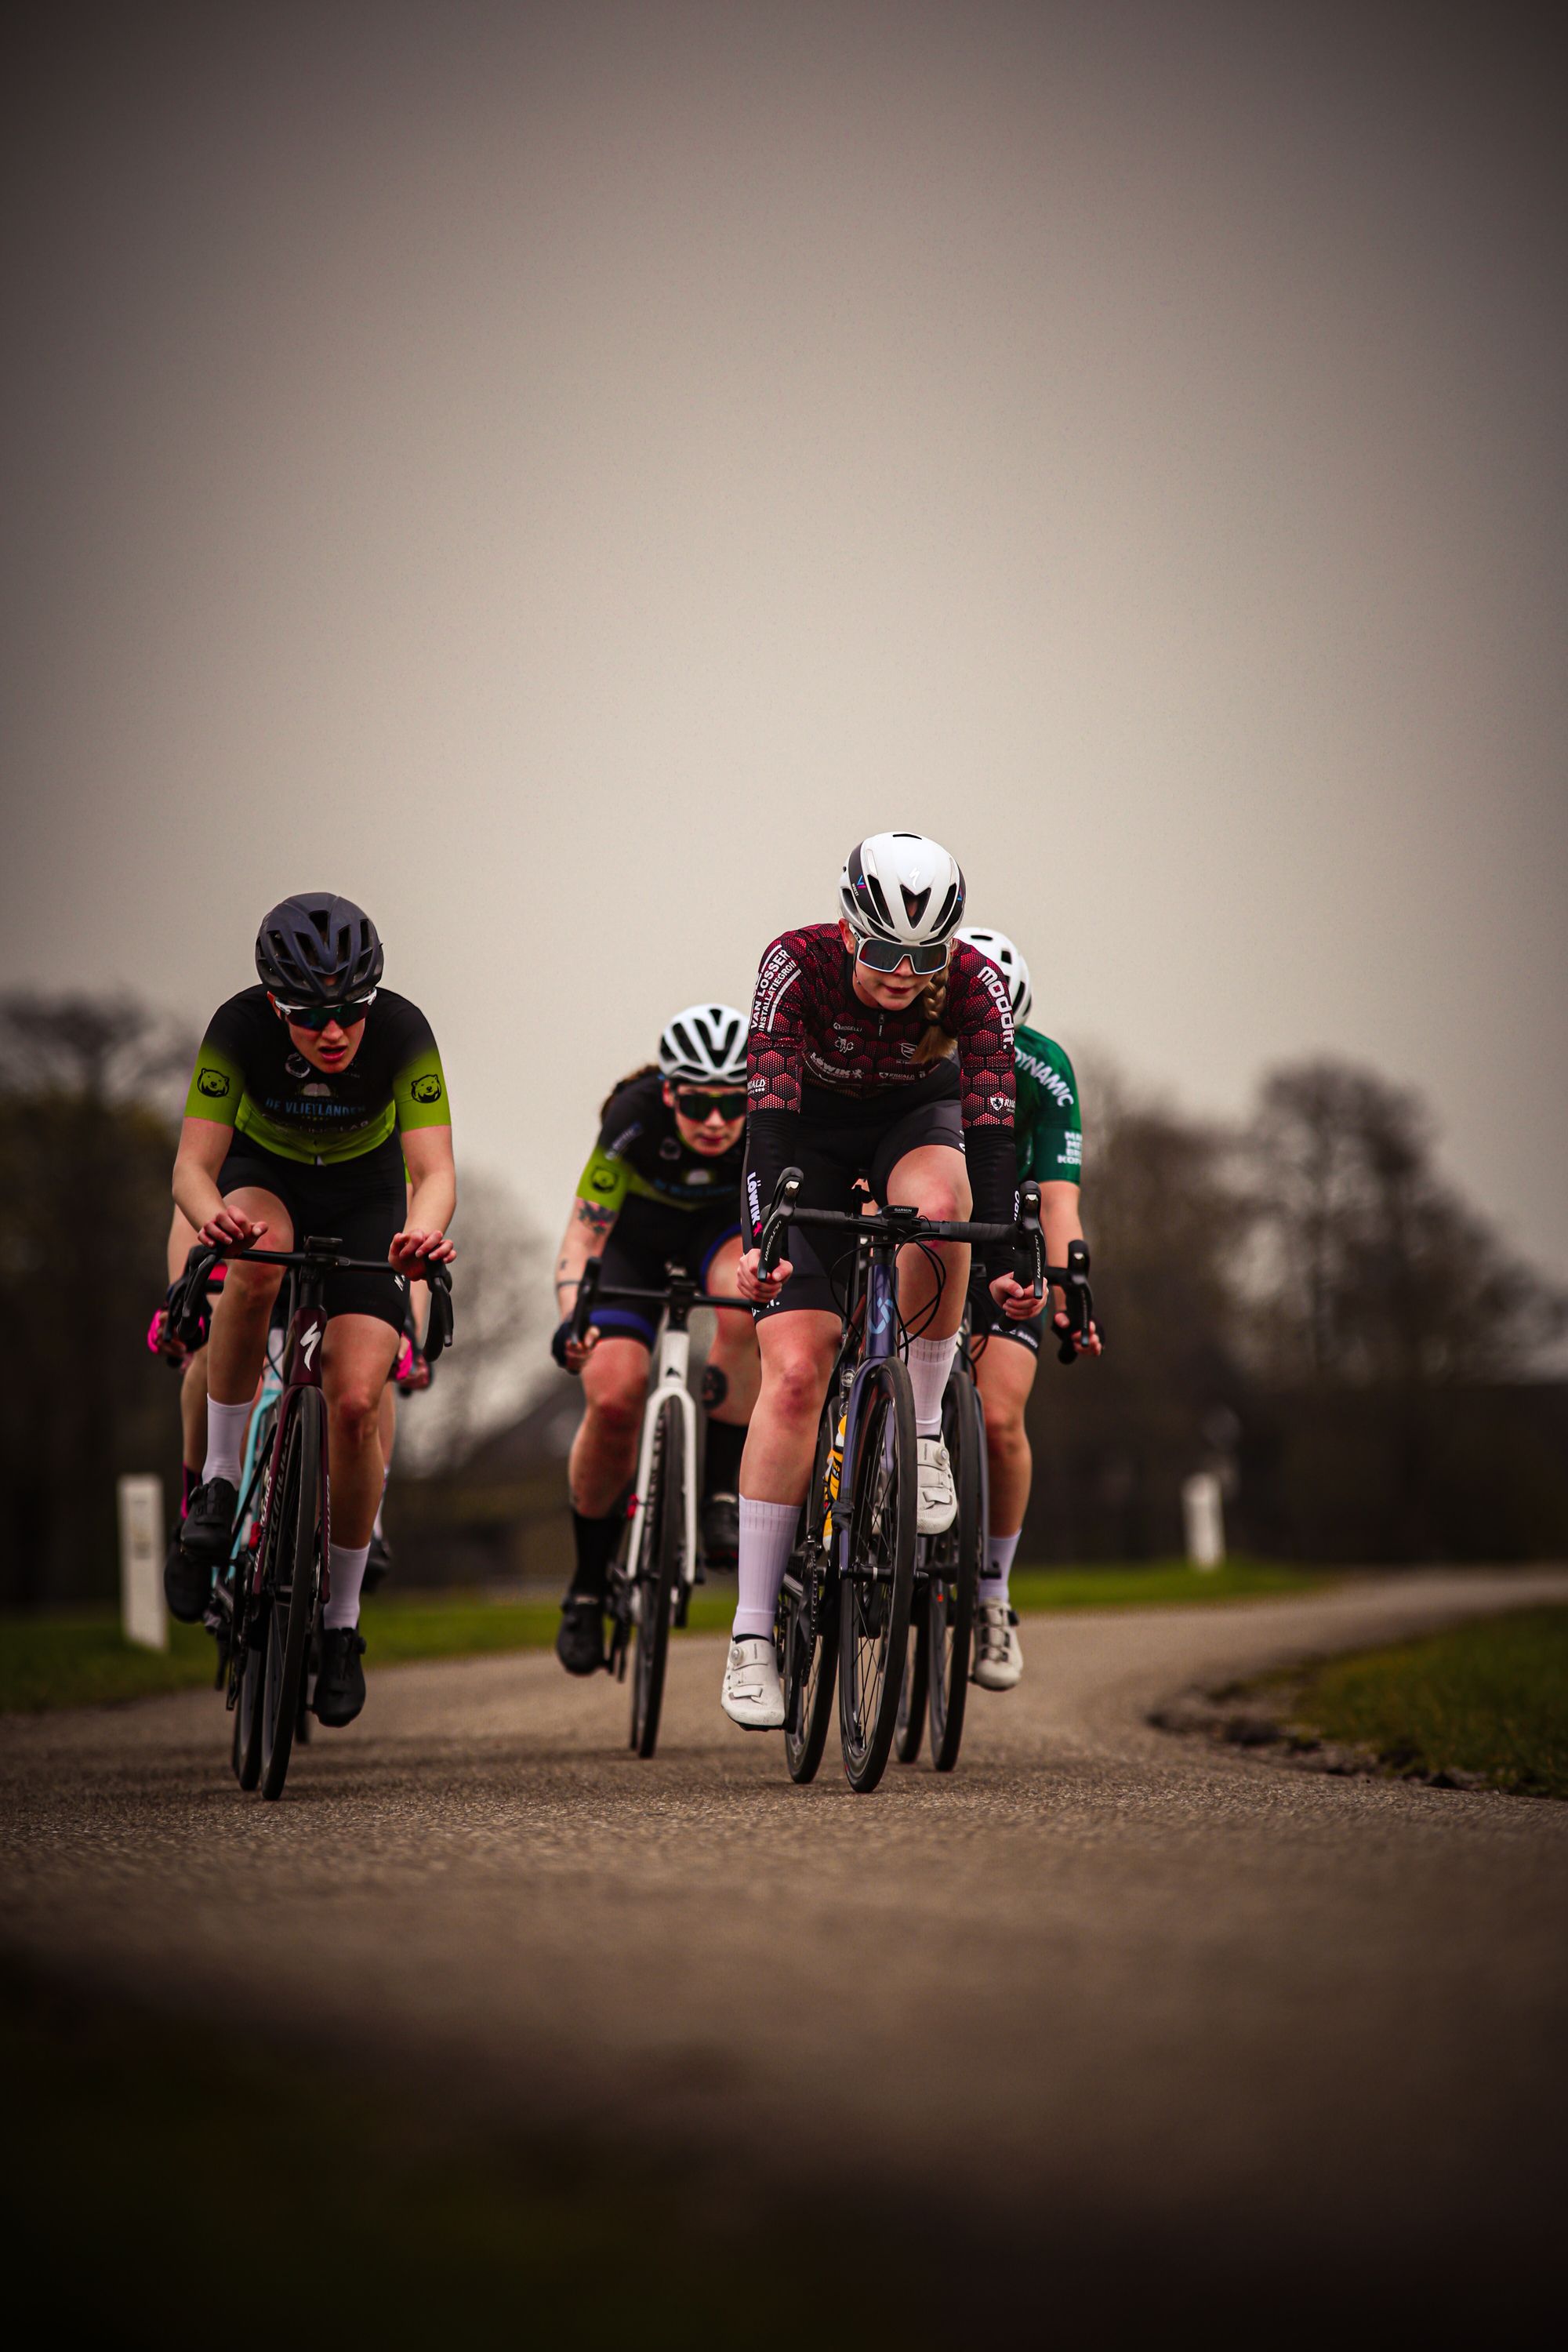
x=674, y=1363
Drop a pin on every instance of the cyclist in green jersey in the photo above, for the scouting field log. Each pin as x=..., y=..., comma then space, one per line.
x=309, y=1095
x=662, y=1185
x=1049, y=1136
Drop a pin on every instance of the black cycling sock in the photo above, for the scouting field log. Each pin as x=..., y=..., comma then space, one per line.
x=595, y=1540
x=722, y=1467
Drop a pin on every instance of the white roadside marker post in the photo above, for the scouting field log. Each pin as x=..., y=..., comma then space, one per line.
x=1205, y=1518
x=142, y=1615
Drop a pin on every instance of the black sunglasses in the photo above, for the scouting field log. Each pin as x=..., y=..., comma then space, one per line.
x=319, y=1016
x=925, y=958
x=703, y=1106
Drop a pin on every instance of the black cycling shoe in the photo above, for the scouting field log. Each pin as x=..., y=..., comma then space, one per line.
x=580, y=1639
x=340, y=1680
x=720, y=1531
x=187, y=1583
x=207, y=1531
x=378, y=1563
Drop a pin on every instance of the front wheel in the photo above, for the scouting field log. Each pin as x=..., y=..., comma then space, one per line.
x=657, y=1573
x=876, y=1585
x=297, y=1556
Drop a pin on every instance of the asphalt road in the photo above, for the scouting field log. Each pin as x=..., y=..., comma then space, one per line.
x=1103, y=1987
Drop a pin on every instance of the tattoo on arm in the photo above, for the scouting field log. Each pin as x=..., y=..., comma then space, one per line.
x=598, y=1220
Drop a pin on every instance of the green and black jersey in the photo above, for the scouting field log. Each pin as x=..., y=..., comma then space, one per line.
x=249, y=1077
x=640, y=1151
x=1047, y=1122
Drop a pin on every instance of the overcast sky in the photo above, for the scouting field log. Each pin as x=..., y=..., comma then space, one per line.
x=560, y=477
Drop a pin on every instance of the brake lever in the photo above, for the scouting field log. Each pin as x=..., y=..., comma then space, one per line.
x=777, y=1224
x=1074, y=1278
x=437, y=1276
x=1029, y=1265
x=587, y=1292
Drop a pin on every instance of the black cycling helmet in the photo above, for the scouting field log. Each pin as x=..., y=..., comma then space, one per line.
x=317, y=949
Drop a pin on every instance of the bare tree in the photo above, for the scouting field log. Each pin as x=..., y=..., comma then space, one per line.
x=1373, y=1269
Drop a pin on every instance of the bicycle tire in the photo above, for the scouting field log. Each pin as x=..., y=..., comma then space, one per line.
x=909, y=1732
x=294, y=1608
x=808, y=1661
x=876, y=1585
x=246, y=1752
x=956, y=1574
x=658, y=1573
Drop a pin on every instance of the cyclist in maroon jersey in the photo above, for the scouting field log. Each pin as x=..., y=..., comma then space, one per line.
x=880, y=1046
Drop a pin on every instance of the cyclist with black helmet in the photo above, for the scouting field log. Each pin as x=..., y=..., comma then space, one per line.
x=309, y=1093
x=880, y=1044
x=1048, y=1134
x=662, y=1185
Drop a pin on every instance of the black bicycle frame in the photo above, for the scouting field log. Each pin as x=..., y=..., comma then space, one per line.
x=308, y=1271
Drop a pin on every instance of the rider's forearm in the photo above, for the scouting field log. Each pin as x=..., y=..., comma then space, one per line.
x=204, y=1146
x=435, y=1198
x=589, y=1228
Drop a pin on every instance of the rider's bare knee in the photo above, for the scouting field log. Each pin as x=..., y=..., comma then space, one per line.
x=797, y=1383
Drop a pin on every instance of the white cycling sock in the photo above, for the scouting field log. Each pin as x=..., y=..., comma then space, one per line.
x=767, y=1538
x=226, y=1440
x=347, y=1576
x=998, y=1568
x=930, y=1360
x=376, y=1525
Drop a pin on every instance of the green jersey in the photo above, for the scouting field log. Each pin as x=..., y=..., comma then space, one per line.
x=249, y=1077
x=1047, y=1122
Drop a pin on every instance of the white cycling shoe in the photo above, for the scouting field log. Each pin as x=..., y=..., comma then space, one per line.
x=938, y=1504
x=753, y=1694
x=998, y=1652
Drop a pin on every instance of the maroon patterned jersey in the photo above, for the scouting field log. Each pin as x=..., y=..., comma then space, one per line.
x=809, y=1028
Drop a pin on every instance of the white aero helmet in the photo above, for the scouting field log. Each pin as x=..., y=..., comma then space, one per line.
x=902, y=889
x=706, y=1046
x=999, y=949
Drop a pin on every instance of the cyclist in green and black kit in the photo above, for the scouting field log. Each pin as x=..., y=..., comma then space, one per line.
x=1048, y=1134
x=309, y=1094
x=662, y=1185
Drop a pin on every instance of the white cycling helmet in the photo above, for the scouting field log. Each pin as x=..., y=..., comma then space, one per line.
x=900, y=886
x=999, y=949
x=705, y=1045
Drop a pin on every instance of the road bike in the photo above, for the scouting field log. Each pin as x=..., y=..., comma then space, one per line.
x=277, y=1577
x=849, y=1585
x=651, y=1582
x=949, y=1565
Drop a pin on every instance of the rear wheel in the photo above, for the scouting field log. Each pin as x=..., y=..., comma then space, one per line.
x=806, y=1632
x=298, y=1556
x=910, y=1730
x=248, y=1707
x=877, y=1582
x=657, y=1573
x=955, y=1571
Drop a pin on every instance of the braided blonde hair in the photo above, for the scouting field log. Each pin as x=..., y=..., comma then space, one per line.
x=936, y=1043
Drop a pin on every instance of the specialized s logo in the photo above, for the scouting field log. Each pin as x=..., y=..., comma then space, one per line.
x=426, y=1089
x=212, y=1083
x=308, y=1344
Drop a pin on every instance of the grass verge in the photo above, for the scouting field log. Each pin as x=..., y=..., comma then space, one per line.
x=83, y=1660
x=1484, y=1702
